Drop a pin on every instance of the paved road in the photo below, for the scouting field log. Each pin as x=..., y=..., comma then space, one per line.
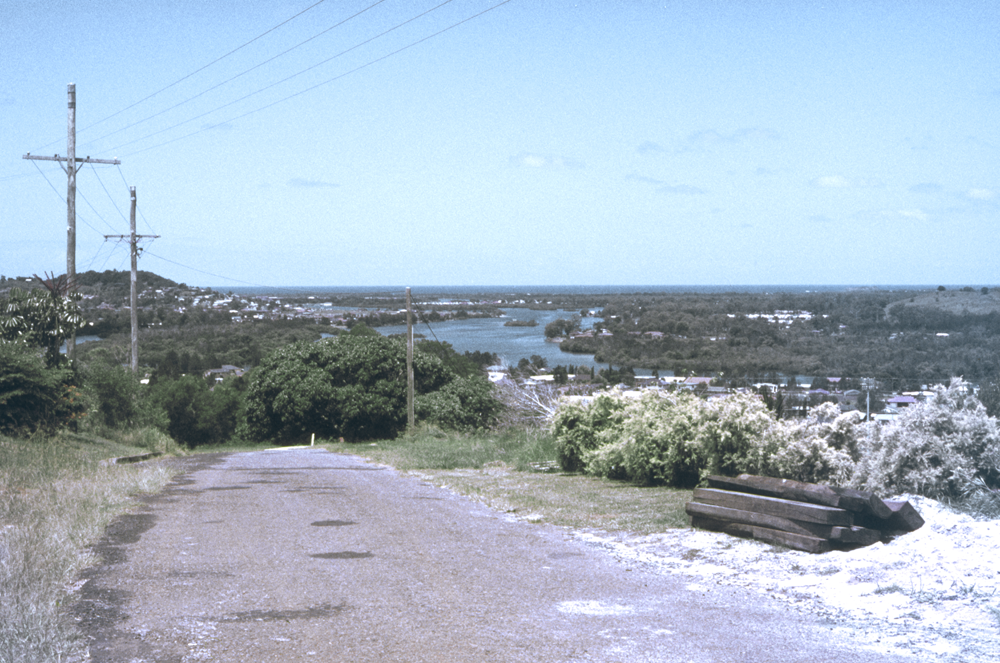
x=305, y=555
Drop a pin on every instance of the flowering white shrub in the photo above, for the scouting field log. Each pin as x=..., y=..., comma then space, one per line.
x=734, y=435
x=939, y=449
x=821, y=448
x=946, y=448
x=673, y=439
x=576, y=427
x=654, y=443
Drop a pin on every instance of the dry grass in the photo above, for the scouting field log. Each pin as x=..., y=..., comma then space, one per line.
x=570, y=500
x=55, y=499
x=496, y=468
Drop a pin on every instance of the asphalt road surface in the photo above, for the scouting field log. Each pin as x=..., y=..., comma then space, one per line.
x=304, y=555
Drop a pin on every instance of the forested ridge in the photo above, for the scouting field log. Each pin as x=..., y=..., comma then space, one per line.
x=910, y=336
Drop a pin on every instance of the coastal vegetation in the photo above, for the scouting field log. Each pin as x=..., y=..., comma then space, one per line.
x=947, y=448
x=909, y=337
x=216, y=377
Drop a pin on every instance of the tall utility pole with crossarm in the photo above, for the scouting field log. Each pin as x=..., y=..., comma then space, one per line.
x=72, y=165
x=133, y=296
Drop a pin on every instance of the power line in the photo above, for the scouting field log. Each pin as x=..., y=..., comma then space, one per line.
x=95, y=210
x=46, y=178
x=268, y=87
x=318, y=85
x=200, y=69
x=109, y=194
x=127, y=186
x=232, y=78
x=63, y=200
x=226, y=278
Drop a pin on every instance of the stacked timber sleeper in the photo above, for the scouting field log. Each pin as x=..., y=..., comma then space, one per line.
x=802, y=516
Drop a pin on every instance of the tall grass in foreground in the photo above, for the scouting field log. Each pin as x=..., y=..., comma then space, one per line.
x=55, y=499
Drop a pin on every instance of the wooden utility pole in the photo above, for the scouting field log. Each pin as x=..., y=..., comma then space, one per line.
x=410, y=416
x=134, y=293
x=71, y=167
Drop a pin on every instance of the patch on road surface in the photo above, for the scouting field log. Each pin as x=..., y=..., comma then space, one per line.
x=347, y=554
x=332, y=523
x=594, y=609
x=315, y=612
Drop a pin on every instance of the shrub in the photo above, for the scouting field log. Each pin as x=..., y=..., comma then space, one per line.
x=120, y=400
x=576, y=427
x=821, y=448
x=655, y=443
x=464, y=404
x=675, y=439
x=32, y=395
x=196, y=415
x=732, y=435
x=939, y=449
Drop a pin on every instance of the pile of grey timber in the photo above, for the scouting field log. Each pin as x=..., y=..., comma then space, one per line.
x=802, y=516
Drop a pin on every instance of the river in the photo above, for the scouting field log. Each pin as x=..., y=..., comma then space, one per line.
x=510, y=343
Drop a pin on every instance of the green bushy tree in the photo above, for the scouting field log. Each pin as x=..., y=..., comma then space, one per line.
x=33, y=395
x=350, y=386
x=461, y=365
x=118, y=397
x=465, y=403
x=197, y=415
x=41, y=318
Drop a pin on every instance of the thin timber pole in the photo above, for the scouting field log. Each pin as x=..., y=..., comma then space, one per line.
x=410, y=416
x=71, y=209
x=133, y=243
x=72, y=165
x=134, y=301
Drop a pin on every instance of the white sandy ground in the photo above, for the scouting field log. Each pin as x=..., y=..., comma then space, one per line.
x=932, y=593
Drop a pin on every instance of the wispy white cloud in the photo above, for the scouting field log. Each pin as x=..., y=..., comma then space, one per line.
x=981, y=194
x=311, y=184
x=926, y=187
x=682, y=189
x=917, y=214
x=663, y=187
x=649, y=147
x=820, y=218
x=706, y=139
x=832, y=182
x=531, y=160
x=841, y=182
x=634, y=177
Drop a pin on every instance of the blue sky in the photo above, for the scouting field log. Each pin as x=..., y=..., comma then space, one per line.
x=542, y=142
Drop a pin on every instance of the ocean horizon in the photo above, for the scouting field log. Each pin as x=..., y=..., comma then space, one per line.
x=474, y=290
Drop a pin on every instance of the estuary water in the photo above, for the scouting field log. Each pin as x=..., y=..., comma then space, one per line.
x=510, y=343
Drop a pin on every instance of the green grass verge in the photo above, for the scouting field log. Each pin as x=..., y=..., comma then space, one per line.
x=56, y=498
x=500, y=469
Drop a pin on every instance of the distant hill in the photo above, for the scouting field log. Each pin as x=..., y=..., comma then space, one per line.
x=956, y=302
x=112, y=278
